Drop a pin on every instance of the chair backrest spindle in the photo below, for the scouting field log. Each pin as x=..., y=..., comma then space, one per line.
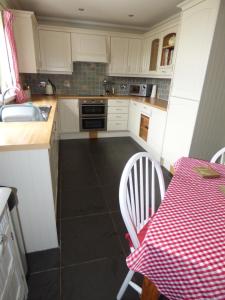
x=135, y=192
x=219, y=157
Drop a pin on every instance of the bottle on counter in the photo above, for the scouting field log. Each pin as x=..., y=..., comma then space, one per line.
x=27, y=92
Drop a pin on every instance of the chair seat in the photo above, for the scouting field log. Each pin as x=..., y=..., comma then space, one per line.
x=140, y=235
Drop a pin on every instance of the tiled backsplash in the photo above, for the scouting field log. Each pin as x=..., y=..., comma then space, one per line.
x=87, y=79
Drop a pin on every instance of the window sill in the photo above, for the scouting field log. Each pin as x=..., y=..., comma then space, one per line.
x=7, y=99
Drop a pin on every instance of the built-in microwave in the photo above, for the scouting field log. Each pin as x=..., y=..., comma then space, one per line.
x=143, y=90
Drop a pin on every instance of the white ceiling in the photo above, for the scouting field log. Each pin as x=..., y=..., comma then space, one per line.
x=146, y=12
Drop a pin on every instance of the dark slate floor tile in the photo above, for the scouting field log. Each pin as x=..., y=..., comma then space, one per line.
x=167, y=176
x=121, y=231
x=82, y=176
x=88, y=238
x=98, y=280
x=44, y=286
x=43, y=260
x=111, y=196
x=82, y=201
x=107, y=175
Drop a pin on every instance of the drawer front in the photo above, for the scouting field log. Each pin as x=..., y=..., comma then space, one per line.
x=135, y=104
x=146, y=109
x=117, y=125
x=117, y=117
x=118, y=102
x=117, y=110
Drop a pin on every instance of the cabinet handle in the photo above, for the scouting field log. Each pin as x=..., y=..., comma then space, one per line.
x=3, y=241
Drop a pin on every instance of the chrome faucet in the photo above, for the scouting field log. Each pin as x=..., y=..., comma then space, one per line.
x=6, y=91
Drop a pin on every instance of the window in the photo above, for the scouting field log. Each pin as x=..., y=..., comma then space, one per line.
x=5, y=74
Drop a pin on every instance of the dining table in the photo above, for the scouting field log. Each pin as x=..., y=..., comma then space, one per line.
x=183, y=252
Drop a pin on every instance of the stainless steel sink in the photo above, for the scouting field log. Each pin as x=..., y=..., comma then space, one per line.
x=24, y=113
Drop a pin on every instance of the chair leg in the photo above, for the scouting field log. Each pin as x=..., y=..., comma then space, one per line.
x=125, y=284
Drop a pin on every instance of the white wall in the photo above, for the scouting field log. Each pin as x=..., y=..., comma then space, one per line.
x=209, y=134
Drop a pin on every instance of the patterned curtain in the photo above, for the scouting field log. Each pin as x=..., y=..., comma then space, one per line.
x=12, y=55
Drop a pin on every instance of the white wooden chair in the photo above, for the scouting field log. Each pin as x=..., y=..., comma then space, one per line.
x=219, y=157
x=138, y=201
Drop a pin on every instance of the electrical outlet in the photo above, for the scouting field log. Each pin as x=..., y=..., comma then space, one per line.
x=42, y=84
x=66, y=83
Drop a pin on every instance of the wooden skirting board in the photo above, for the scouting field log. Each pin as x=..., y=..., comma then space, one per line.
x=93, y=134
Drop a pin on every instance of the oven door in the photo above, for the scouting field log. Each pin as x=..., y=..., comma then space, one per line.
x=93, y=109
x=93, y=123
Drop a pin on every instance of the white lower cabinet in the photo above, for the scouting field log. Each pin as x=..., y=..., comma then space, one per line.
x=117, y=125
x=181, y=119
x=117, y=114
x=69, y=115
x=156, y=131
x=53, y=158
x=12, y=280
x=134, y=118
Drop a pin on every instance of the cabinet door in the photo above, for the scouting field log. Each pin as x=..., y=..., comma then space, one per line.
x=150, y=55
x=69, y=115
x=12, y=280
x=134, y=118
x=53, y=157
x=27, y=43
x=119, y=55
x=179, y=129
x=134, y=56
x=197, y=28
x=156, y=132
x=167, y=50
x=55, y=50
x=89, y=47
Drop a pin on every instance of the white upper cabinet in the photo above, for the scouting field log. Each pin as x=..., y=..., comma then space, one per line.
x=158, y=53
x=119, y=55
x=125, y=56
x=145, y=55
x=89, y=48
x=134, y=56
x=55, y=47
x=197, y=28
x=25, y=29
x=150, y=55
x=167, y=50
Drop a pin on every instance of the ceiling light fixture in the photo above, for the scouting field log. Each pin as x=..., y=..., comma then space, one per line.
x=81, y=9
x=131, y=15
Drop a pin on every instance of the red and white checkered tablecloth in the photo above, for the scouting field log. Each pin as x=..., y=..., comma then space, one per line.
x=183, y=252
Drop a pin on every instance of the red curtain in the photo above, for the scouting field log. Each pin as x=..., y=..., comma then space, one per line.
x=12, y=55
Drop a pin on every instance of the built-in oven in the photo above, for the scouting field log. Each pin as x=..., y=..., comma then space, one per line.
x=93, y=114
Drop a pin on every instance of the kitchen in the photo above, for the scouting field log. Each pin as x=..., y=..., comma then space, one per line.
x=113, y=91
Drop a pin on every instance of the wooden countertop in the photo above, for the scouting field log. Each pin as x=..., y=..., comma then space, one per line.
x=29, y=135
x=154, y=102
x=37, y=135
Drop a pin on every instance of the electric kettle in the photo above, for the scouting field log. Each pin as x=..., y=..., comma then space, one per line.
x=50, y=88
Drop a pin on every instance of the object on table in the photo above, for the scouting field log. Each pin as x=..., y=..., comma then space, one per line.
x=207, y=172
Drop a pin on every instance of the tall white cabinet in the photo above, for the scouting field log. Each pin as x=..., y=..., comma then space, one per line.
x=198, y=23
